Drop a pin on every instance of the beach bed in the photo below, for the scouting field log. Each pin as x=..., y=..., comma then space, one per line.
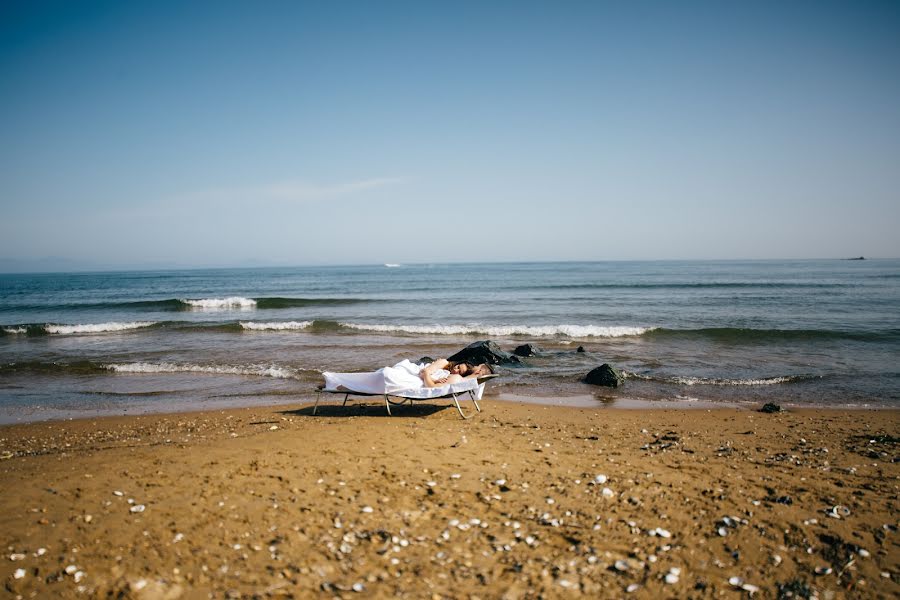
x=453, y=391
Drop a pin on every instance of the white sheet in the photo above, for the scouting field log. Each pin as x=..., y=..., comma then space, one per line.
x=401, y=380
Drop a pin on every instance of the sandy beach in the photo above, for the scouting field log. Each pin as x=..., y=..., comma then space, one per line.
x=521, y=501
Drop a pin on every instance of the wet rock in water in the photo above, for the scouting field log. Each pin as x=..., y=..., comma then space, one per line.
x=771, y=407
x=579, y=349
x=484, y=351
x=527, y=350
x=426, y=359
x=604, y=375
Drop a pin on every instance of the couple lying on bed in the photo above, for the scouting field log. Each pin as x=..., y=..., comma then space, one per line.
x=406, y=375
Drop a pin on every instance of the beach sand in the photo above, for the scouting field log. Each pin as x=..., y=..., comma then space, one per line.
x=520, y=501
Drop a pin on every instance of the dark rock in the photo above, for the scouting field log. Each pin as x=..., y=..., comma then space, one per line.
x=579, y=349
x=771, y=407
x=604, y=375
x=426, y=359
x=485, y=351
x=527, y=350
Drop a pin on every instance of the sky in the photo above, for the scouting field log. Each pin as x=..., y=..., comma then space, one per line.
x=172, y=134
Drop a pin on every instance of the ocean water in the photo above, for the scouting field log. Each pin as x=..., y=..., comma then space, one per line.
x=820, y=333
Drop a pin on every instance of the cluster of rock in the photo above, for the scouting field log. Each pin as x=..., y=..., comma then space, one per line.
x=487, y=351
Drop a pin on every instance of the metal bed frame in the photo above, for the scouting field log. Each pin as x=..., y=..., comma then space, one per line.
x=403, y=399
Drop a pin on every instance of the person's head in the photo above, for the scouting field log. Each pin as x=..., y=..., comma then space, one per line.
x=482, y=370
x=462, y=369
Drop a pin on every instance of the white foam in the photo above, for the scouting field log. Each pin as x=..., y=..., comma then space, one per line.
x=96, y=327
x=231, y=302
x=391, y=265
x=574, y=331
x=14, y=330
x=276, y=325
x=710, y=381
x=166, y=367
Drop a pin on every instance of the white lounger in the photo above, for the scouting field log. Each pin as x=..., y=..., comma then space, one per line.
x=473, y=387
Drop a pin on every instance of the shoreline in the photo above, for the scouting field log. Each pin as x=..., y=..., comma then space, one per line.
x=580, y=401
x=522, y=501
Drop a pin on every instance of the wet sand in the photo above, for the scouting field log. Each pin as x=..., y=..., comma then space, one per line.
x=521, y=501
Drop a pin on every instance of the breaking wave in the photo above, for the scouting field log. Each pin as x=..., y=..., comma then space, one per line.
x=692, y=381
x=166, y=367
x=96, y=327
x=575, y=331
x=217, y=303
x=276, y=325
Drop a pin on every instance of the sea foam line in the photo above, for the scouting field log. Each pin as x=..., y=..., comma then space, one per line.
x=712, y=381
x=275, y=325
x=14, y=330
x=691, y=381
x=230, y=302
x=166, y=367
x=96, y=327
x=575, y=331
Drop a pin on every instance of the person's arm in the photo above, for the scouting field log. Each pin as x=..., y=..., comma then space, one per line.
x=426, y=373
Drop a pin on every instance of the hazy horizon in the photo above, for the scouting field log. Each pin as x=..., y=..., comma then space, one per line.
x=58, y=265
x=136, y=135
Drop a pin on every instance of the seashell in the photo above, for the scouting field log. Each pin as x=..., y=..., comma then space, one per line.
x=632, y=588
x=671, y=578
x=662, y=532
x=736, y=581
x=78, y=576
x=722, y=531
x=607, y=493
x=367, y=509
x=358, y=587
x=137, y=508
x=16, y=557
x=600, y=479
x=19, y=574
x=823, y=570
x=500, y=482
x=863, y=553
x=620, y=565
x=71, y=569
x=776, y=560
x=40, y=552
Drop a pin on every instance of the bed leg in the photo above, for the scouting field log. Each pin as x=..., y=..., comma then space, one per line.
x=346, y=396
x=458, y=407
x=474, y=400
x=387, y=404
x=316, y=407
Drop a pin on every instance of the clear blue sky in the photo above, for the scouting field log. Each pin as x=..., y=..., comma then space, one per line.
x=235, y=133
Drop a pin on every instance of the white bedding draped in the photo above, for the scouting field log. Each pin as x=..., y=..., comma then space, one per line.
x=400, y=380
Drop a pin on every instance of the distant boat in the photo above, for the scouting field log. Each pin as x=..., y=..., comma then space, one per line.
x=859, y=258
x=391, y=265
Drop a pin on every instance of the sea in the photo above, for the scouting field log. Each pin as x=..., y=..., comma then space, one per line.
x=822, y=333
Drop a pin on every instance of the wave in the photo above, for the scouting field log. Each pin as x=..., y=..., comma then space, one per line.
x=691, y=381
x=575, y=331
x=166, y=367
x=735, y=335
x=276, y=326
x=686, y=286
x=96, y=327
x=82, y=367
x=185, y=304
x=217, y=303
